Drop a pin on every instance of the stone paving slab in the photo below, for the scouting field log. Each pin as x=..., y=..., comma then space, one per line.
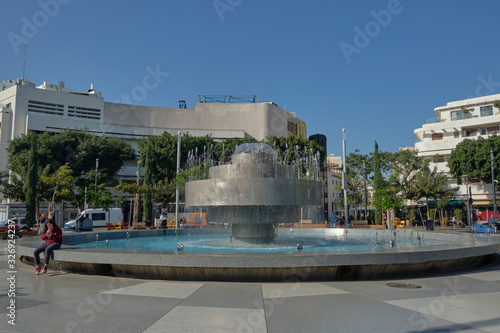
x=63, y=302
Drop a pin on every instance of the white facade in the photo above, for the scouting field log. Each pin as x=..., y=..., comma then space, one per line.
x=455, y=122
x=333, y=183
x=54, y=108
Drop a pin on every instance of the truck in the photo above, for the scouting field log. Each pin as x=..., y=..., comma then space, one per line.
x=99, y=217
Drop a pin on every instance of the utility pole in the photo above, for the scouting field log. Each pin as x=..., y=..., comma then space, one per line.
x=366, y=193
x=177, y=187
x=471, y=214
x=493, y=183
x=344, y=180
x=468, y=203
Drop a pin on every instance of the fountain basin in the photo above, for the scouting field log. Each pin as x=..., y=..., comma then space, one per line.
x=460, y=251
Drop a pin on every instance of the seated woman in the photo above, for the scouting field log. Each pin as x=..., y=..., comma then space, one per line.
x=52, y=235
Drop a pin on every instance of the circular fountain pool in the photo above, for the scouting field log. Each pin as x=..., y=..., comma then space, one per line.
x=444, y=253
x=283, y=243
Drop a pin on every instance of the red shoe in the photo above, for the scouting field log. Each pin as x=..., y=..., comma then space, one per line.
x=44, y=269
x=38, y=269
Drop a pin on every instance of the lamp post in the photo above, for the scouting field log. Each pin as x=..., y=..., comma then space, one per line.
x=177, y=187
x=493, y=183
x=366, y=193
x=344, y=180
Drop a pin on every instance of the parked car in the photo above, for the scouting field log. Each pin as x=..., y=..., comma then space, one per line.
x=20, y=221
x=99, y=218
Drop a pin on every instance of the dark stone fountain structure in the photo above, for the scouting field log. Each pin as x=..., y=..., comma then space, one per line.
x=254, y=192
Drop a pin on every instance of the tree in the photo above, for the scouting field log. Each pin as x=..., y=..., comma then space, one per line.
x=358, y=168
x=389, y=196
x=148, y=180
x=100, y=197
x=377, y=184
x=121, y=203
x=429, y=184
x=76, y=148
x=291, y=147
x=462, y=161
x=61, y=182
x=163, y=153
x=32, y=182
x=405, y=164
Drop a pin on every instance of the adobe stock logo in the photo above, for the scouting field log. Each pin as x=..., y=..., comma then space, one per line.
x=30, y=28
x=486, y=86
x=222, y=6
x=372, y=29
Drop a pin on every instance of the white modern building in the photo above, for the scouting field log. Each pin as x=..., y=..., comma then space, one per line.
x=53, y=108
x=333, y=184
x=455, y=122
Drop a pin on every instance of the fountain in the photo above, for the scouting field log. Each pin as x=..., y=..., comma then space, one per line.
x=254, y=193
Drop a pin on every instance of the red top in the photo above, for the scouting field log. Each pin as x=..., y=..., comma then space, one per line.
x=56, y=236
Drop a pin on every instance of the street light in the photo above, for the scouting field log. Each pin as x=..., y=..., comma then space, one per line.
x=493, y=182
x=344, y=181
x=177, y=187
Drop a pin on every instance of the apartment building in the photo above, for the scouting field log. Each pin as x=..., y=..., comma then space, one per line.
x=455, y=122
x=333, y=184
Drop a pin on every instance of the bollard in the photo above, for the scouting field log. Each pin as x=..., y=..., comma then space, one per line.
x=96, y=239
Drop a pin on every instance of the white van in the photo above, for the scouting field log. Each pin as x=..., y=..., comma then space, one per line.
x=99, y=217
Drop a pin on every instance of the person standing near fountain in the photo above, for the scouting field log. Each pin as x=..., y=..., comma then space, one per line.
x=163, y=220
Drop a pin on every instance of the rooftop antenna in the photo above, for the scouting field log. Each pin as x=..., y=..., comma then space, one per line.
x=24, y=62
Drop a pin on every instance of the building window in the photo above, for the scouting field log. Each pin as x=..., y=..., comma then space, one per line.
x=437, y=136
x=457, y=134
x=459, y=181
x=483, y=131
x=47, y=108
x=492, y=130
x=470, y=132
x=475, y=181
x=457, y=115
x=81, y=112
x=438, y=159
x=486, y=110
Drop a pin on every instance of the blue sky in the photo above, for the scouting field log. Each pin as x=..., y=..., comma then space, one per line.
x=376, y=68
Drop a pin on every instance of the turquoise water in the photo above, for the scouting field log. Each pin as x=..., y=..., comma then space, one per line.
x=283, y=243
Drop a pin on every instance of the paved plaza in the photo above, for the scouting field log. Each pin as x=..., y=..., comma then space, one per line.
x=65, y=302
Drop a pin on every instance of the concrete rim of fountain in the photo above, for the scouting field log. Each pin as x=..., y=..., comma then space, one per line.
x=462, y=251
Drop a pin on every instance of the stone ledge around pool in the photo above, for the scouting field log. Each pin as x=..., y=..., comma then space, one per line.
x=462, y=251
